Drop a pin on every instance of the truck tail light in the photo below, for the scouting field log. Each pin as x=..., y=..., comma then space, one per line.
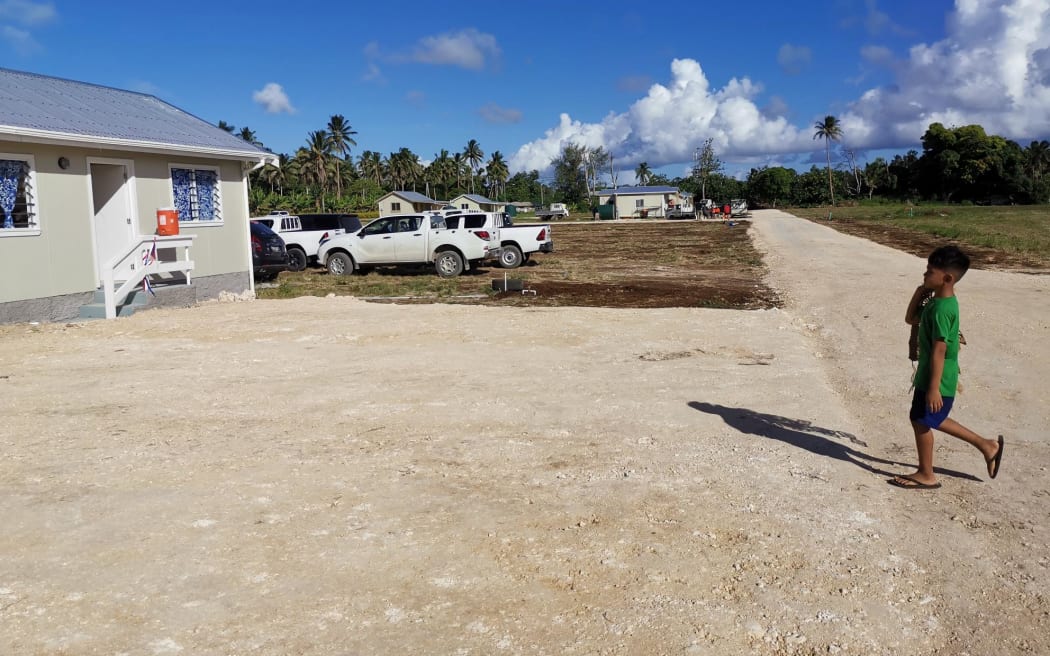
x=542, y=236
x=483, y=234
x=257, y=245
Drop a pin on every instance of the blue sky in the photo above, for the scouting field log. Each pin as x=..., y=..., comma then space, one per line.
x=649, y=83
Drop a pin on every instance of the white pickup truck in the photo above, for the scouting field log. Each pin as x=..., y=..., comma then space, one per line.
x=404, y=240
x=556, y=210
x=301, y=241
x=511, y=244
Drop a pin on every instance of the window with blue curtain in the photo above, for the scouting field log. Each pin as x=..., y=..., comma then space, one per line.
x=16, y=195
x=196, y=193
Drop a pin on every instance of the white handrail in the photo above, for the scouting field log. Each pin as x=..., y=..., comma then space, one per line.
x=132, y=260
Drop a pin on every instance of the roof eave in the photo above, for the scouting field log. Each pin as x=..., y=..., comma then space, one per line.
x=48, y=137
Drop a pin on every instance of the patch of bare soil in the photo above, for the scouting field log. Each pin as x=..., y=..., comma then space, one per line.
x=646, y=265
x=922, y=243
x=617, y=265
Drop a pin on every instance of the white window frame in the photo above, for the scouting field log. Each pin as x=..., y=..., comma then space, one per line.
x=32, y=199
x=219, y=210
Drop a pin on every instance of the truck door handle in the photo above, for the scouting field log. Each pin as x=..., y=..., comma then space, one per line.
x=387, y=237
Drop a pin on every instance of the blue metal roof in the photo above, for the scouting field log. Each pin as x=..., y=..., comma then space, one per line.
x=414, y=197
x=636, y=190
x=480, y=200
x=59, y=107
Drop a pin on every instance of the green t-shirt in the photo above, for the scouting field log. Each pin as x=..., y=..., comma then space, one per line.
x=939, y=322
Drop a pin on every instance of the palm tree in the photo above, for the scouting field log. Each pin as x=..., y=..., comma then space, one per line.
x=643, y=173
x=497, y=171
x=248, y=135
x=340, y=134
x=829, y=130
x=1037, y=158
x=474, y=156
x=371, y=164
x=459, y=162
x=315, y=159
x=223, y=125
x=440, y=170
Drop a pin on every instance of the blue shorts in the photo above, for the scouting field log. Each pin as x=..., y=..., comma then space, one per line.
x=920, y=414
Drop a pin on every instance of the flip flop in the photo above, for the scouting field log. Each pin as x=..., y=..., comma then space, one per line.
x=993, y=462
x=913, y=485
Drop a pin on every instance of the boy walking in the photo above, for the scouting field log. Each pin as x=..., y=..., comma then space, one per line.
x=937, y=375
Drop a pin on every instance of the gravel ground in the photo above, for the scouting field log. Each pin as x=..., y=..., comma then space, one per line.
x=329, y=476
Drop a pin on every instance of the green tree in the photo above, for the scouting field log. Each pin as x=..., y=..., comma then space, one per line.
x=570, y=180
x=768, y=187
x=878, y=175
x=341, y=137
x=371, y=165
x=829, y=130
x=315, y=160
x=473, y=156
x=497, y=172
x=223, y=125
x=707, y=163
x=248, y=135
x=643, y=173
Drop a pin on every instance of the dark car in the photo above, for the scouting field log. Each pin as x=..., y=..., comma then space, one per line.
x=345, y=222
x=269, y=256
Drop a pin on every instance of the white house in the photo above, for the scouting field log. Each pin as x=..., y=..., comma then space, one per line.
x=476, y=202
x=406, y=202
x=83, y=171
x=640, y=202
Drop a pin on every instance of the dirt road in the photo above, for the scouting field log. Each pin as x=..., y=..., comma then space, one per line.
x=328, y=476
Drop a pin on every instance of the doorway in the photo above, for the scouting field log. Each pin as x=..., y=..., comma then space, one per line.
x=112, y=217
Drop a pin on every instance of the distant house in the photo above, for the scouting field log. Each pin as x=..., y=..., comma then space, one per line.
x=406, y=202
x=638, y=202
x=524, y=206
x=476, y=202
x=83, y=171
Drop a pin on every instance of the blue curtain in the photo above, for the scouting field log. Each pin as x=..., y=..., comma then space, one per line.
x=10, y=174
x=206, y=195
x=181, y=182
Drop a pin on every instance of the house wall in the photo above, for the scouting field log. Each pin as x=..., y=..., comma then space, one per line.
x=59, y=262
x=626, y=204
x=461, y=201
x=386, y=205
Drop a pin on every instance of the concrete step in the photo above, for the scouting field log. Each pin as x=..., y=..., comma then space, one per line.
x=167, y=295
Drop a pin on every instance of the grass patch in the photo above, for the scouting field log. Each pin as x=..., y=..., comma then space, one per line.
x=1015, y=236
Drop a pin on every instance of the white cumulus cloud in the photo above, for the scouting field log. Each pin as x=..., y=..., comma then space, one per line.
x=21, y=41
x=794, y=59
x=273, y=99
x=493, y=113
x=27, y=12
x=665, y=126
x=467, y=48
x=992, y=69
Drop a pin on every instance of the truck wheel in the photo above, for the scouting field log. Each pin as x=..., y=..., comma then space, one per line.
x=510, y=257
x=448, y=264
x=296, y=259
x=340, y=264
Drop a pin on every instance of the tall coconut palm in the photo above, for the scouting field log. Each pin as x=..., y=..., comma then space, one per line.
x=497, y=172
x=1037, y=158
x=315, y=159
x=459, y=163
x=643, y=173
x=248, y=135
x=441, y=170
x=474, y=156
x=371, y=164
x=829, y=130
x=340, y=134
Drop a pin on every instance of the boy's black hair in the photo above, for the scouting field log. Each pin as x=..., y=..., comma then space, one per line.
x=950, y=259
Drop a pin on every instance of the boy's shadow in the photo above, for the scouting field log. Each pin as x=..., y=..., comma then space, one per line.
x=805, y=435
